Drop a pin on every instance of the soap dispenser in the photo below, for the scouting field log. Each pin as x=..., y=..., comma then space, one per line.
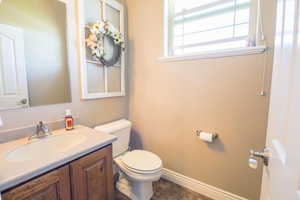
x=69, y=121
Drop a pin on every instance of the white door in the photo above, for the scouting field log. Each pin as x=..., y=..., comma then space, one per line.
x=13, y=81
x=281, y=178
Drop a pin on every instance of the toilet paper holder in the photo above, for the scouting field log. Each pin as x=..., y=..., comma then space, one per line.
x=214, y=135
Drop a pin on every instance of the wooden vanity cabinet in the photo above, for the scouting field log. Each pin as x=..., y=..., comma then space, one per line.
x=88, y=178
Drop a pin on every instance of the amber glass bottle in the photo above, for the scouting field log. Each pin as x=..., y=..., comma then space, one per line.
x=69, y=121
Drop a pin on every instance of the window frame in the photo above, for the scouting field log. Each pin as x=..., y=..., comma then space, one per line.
x=255, y=34
x=85, y=94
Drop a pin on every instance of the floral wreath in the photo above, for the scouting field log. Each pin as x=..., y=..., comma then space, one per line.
x=96, y=32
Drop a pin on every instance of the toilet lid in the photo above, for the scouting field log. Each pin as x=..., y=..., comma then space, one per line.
x=142, y=160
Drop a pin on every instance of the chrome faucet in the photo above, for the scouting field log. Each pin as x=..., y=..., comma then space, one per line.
x=42, y=130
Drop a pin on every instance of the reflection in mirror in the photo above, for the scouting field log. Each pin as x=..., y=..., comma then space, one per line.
x=33, y=53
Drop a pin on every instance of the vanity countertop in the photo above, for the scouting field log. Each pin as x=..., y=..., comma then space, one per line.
x=13, y=173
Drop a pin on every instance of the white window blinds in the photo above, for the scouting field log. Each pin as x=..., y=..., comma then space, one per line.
x=204, y=25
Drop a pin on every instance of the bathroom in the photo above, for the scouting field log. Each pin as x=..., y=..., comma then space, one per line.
x=160, y=99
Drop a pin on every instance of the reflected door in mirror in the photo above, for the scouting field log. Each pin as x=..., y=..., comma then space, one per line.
x=13, y=79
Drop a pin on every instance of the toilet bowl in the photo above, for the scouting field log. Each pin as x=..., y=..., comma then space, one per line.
x=138, y=168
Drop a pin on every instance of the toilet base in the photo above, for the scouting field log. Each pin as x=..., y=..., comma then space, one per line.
x=135, y=190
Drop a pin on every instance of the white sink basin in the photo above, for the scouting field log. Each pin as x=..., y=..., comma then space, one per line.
x=45, y=147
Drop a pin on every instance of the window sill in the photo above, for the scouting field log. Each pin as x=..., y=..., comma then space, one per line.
x=215, y=54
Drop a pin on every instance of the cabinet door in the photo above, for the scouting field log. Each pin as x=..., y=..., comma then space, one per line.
x=91, y=176
x=54, y=185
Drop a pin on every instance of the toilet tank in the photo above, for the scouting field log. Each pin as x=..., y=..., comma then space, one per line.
x=121, y=129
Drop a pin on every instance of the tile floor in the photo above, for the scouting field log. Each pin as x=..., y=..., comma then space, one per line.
x=165, y=190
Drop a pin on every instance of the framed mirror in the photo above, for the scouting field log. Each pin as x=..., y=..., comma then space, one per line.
x=106, y=77
x=33, y=53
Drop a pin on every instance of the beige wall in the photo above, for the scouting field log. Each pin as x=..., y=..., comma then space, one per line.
x=169, y=101
x=89, y=112
x=45, y=46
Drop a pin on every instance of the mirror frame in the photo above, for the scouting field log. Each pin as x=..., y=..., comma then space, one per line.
x=82, y=52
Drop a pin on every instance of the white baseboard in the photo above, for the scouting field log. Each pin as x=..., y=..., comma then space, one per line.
x=199, y=187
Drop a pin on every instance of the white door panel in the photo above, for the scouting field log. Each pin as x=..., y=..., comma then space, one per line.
x=281, y=177
x=13, y=80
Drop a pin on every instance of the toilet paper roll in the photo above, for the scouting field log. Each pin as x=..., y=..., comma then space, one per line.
x=207, y=137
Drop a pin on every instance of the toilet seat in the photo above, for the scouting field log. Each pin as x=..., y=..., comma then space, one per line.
x=140, y=165
x=142, y=162
x=138, y=175
x=140, y=171
x=124, y=167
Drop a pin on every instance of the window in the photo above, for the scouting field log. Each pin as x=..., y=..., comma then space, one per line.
x=201, y=26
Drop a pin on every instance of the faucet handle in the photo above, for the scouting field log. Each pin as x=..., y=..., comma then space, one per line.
x=42, y=126
x=41, y=123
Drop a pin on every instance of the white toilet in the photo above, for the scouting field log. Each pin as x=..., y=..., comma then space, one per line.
x=137, y=168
